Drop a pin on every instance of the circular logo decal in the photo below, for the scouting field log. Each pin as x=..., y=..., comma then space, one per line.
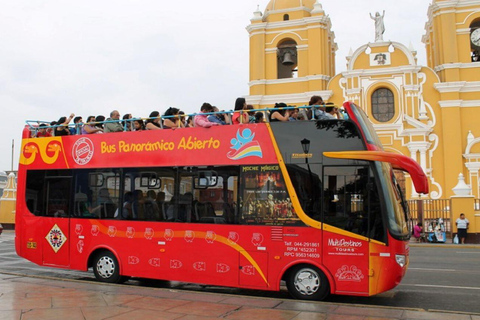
x=82, y=151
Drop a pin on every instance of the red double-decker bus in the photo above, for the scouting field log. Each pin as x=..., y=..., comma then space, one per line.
x=311, y=203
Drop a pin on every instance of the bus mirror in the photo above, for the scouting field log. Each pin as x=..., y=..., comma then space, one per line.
x=205, y=179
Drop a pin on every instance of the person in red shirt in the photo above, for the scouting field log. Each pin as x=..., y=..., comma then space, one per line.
x=42, y=131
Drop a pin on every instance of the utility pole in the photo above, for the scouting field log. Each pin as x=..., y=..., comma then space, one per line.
x=13, y=152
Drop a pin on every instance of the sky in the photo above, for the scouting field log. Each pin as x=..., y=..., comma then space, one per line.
x=90, y=57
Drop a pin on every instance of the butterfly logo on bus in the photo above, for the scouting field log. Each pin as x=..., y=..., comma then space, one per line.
x=168, y=234
x=154, y=262
x=210, y=237
x=233, y=237
x=222, y=268
x=189, y=236
x=244, y=146
x=175, y=264
x=130, y=232
x=200, y=266
x=95, y=230
x=133, y=260
x=112, y=231
x=149, y=233
x=257, y=239
x=248, y=270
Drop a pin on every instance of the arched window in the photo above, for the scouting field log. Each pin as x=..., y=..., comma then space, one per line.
x=383, y=105
x=286, y=17
x=287, y=59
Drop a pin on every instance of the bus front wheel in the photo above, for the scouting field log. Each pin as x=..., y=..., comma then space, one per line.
x=106, y=268
x=308, y=283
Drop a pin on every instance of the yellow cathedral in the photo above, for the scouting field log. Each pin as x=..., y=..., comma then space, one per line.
x=430, y=113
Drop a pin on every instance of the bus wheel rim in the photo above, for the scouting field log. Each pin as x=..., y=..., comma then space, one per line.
x=106, y=267
x=307, y=282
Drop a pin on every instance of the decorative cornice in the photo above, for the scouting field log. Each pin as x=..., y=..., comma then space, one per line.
x=288, y=80
x=457, y=65
x=458, y=86
x=322, y=20
x=294, y=98
x=459, y=103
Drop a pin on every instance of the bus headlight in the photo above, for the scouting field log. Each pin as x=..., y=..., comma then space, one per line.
x=401, y=260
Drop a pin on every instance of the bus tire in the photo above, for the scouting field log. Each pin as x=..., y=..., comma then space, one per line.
x=307, y=282
x=106, y=268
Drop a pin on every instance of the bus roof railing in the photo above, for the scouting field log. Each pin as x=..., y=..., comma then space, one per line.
x=34, y=125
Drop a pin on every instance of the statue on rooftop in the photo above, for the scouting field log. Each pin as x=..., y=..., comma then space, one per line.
x=379, y=26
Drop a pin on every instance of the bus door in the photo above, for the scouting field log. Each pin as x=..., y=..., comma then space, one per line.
x=56, y=223
x=345, y=218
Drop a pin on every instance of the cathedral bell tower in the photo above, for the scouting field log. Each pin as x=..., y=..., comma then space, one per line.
x=292, y=53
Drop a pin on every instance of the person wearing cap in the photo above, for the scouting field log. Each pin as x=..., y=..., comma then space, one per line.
x=42, y=131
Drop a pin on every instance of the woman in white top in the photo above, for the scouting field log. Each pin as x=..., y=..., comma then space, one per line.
x=462, y=226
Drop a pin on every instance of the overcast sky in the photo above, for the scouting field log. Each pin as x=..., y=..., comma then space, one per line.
x=90, y=57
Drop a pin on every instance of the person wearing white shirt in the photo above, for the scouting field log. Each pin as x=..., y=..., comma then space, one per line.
x=462, y=226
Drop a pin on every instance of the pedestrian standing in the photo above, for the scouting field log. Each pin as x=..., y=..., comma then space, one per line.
x=462, y=226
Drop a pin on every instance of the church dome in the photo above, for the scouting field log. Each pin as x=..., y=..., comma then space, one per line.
x=274, y=5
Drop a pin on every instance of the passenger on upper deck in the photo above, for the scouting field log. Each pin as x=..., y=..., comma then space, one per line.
x=201, y=120
x=89, y=127
x=78, y=121
x=99, y=122
x=113, y=126
x=172, y=123
x=293, y=114
x=153, y=122
x=189, y=123
x=127, y=124
x=318, y=112
x=331, y=111
x=138, y=125
x=251, y=113
x=217, y=118
x=63, y=122
x=240, y=104
x=42, y=131
x=259, y=117
x=281, y=114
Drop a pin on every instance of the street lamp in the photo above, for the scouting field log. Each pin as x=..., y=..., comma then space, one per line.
x=305, y=145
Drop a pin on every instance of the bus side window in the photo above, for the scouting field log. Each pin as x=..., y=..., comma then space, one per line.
x=345, y=198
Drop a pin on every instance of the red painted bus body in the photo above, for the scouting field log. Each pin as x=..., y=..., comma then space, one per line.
x=257, y=235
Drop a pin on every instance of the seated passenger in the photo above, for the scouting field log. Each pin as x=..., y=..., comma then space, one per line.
x=89, y=127
x=153, y=121
x=251, y=114
x=318, y=108
x=173, y=120
x=78, y=121
x=189, y=123
x=99, y=122
x=280, y=114
x=293, y=114
x=218, y=118
x=151, y=207
x=259, y=117
x=63, y=122
x=138, y=125
x=127, y=213
x=201, y=120
x=114, y=124
x=42, y=131
x=331, y=111
x=239, y=116
x=125, y=123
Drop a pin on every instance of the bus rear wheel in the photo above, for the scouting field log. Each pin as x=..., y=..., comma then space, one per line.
x=106, y=268
x=308, y=283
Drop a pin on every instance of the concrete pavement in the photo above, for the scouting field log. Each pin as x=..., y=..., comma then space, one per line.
x=24, y=298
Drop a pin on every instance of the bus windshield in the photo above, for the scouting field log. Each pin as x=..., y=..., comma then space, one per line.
x=367, y=128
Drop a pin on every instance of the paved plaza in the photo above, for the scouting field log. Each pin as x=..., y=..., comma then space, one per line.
x=24, y=298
